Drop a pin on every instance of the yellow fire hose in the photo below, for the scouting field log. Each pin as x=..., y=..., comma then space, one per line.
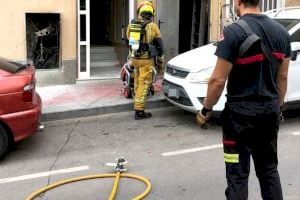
x=97, y=176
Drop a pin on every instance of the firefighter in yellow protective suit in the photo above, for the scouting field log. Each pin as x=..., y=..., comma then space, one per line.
x=146, y=49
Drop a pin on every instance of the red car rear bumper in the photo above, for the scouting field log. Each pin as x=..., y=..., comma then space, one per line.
x=24, y=123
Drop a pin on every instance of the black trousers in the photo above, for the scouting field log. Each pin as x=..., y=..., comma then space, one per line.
x=251, y=128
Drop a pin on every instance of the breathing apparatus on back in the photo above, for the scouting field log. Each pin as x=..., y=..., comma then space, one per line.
x=137, y=32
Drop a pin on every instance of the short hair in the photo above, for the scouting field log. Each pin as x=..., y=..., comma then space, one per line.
x=250, y=3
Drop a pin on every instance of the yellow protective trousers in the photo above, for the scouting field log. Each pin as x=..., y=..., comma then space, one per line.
x=142, y=81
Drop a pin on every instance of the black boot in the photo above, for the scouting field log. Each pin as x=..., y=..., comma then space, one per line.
x=140, y=114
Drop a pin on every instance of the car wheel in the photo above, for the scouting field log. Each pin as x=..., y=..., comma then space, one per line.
x=3, y=141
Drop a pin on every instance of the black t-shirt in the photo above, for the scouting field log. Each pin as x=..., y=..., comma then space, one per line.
x=253, y=75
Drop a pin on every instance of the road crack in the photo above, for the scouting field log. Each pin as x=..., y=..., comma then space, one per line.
x=41, y=196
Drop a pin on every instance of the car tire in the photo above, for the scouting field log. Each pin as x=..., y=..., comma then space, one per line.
x=3, y=141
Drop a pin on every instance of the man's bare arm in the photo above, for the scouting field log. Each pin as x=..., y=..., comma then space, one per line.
x=217, y=82
x=282, y=79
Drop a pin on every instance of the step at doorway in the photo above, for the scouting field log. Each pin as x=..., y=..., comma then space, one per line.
x=104, y=62
x=102, y=49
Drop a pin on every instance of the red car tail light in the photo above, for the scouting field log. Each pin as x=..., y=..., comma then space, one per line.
x=28, y=92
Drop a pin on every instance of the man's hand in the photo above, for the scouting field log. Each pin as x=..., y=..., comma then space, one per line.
x=203, y=116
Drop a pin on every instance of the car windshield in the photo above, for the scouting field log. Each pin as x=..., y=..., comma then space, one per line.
x=12, y=67
x=288, y=23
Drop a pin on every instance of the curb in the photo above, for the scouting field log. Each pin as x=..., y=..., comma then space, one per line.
x=101, y=110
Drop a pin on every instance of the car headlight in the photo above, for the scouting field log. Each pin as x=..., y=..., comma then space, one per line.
x=203, y=76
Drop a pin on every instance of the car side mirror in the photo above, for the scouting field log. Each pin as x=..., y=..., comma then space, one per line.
x=295, y=50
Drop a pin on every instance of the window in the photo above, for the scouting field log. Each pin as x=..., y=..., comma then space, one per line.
x=43, y=39
x=267, y=5
x=82, y=5
x=288, y=23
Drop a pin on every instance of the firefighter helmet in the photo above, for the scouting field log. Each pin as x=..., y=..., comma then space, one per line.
x=146, y=7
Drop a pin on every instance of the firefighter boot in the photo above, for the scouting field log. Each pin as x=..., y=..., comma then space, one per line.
x=140, y=114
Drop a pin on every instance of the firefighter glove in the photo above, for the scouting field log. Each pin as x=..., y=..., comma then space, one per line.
x=203, y=116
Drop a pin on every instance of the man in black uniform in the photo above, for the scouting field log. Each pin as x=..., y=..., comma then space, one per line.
x=255, y=93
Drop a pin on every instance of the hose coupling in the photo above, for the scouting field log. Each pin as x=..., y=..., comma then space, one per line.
x=121, y=165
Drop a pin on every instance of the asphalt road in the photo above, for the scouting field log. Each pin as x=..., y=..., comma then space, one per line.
x=181, y=160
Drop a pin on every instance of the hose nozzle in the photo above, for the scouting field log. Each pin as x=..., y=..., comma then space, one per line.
x=120, y=166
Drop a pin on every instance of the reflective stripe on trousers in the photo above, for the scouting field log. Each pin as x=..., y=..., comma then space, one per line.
x=251, y=129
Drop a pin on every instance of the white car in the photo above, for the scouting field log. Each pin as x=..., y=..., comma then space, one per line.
x=186, y=75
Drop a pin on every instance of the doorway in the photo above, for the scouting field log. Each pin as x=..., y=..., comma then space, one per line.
x=101, y=22
x=102, y=50
x=185, y=25
x=193, y=24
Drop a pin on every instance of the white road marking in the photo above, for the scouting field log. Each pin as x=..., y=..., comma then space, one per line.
x=296, y=133
x=43, y=174
x=185, y=151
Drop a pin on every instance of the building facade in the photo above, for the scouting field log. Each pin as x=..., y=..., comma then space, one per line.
x=292, y=3
x=77, y=40
x=20, y=18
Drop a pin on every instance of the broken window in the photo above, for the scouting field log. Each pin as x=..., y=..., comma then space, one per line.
x=42, y=36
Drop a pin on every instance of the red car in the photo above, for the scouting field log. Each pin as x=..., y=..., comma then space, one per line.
x=20, y=105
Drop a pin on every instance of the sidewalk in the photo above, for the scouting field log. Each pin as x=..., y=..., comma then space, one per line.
x=91, y=98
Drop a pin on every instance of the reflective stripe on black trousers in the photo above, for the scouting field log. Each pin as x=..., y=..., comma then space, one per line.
x=251, y=128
